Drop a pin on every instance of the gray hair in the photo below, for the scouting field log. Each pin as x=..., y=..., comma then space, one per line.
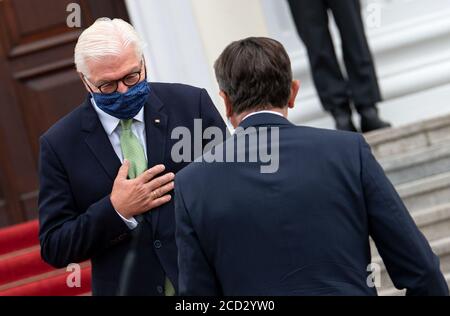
x=105, y=38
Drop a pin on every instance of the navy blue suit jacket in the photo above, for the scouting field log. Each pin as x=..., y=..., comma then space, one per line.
x=78, y=166
x=303, y=230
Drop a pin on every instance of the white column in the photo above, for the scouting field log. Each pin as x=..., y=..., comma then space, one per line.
x=174, y=50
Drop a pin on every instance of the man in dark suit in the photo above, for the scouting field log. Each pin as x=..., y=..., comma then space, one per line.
x=303, y=227
x=97, y=199
x=337, y=93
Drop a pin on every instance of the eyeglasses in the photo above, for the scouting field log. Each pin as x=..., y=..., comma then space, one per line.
x=109, y=87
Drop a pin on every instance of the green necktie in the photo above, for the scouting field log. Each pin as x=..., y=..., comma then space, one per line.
x=133, y=151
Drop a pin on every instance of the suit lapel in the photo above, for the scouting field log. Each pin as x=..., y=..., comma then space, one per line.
x=98, y=142
x=156, y=134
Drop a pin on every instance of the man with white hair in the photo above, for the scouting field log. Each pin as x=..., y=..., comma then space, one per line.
x=106, y=175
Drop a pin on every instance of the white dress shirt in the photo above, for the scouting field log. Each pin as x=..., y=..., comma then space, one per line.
x=112, y=127
x=233, y=130
x=261, y=112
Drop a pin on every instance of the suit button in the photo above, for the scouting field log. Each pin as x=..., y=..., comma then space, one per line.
x=157, y=244
x=160, y=289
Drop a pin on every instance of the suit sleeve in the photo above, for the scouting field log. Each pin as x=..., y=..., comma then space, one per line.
x=408, y=257
x=68, y=234
x=196, y=277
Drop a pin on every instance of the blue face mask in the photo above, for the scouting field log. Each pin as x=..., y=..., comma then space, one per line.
x=123, y=106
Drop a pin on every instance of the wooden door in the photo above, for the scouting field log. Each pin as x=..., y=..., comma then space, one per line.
x=38, y=85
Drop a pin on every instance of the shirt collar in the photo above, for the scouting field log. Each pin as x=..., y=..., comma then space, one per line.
x=261, y=112
x=110, y=122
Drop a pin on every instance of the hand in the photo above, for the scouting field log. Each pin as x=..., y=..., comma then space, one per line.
x=137, y=196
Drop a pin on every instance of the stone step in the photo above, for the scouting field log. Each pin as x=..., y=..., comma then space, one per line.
x=417, y=164
x=440, y=247
x=434, y=223
x=424, y=193
x=399, y=140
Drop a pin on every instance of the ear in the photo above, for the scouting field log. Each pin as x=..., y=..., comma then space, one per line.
x=295, y=87
x=83, y=81
x=228, y=106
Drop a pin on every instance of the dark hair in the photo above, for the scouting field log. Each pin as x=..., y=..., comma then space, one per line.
x=255, y=73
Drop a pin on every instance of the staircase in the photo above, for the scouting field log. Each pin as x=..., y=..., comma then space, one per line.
x=416, y=158
x=23, y=273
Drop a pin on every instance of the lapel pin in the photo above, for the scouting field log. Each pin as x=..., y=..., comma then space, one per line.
x=157, y=121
